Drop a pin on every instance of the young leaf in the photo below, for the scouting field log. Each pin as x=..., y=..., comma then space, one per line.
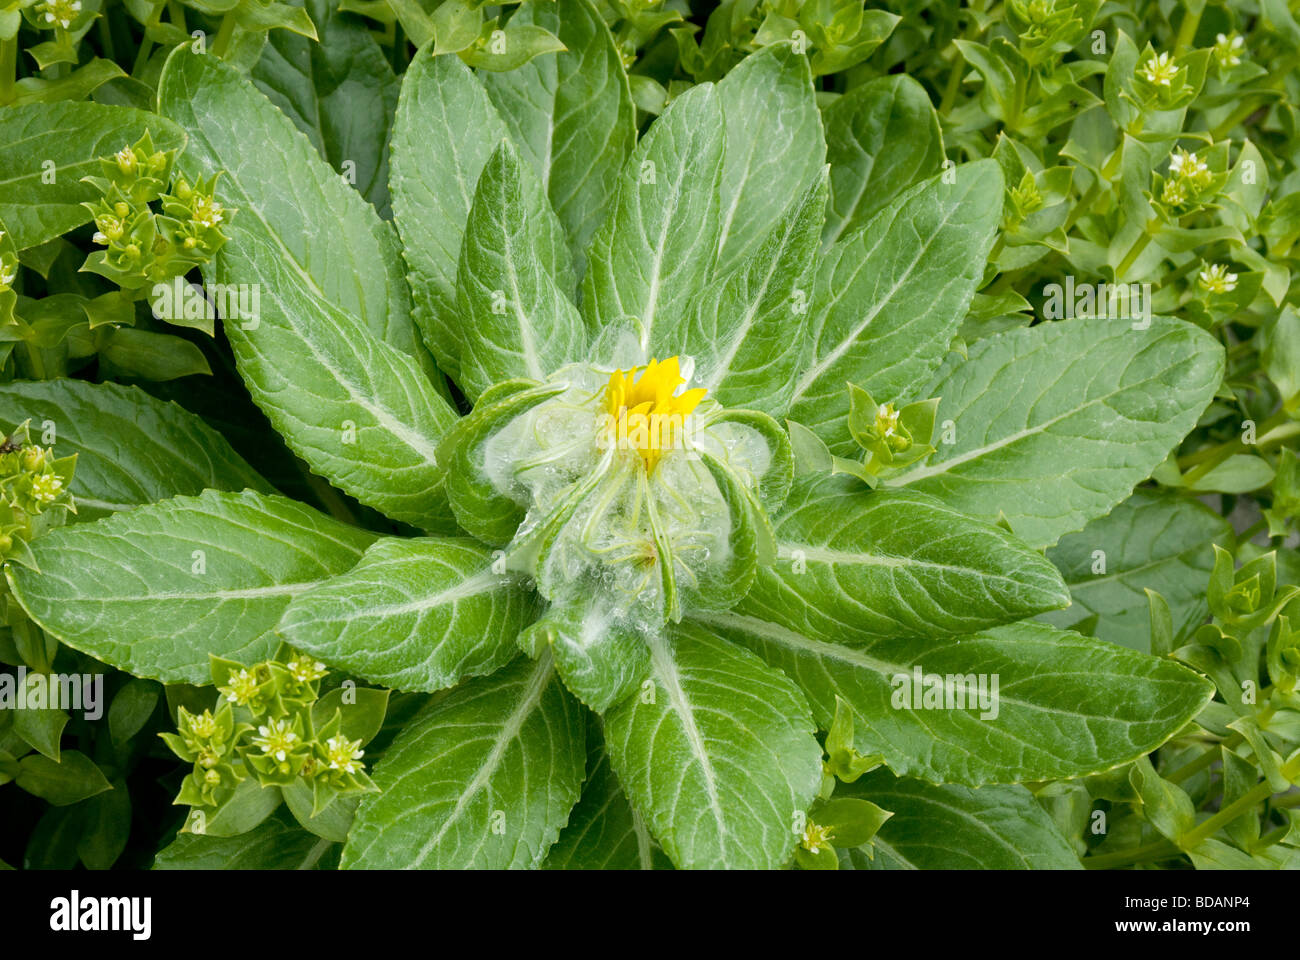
x=444, y=132
x=131, y=448
x=484, y=777
x=854, y=565
x=1064, y=706
x=881, y=137
x=514, y=281
x=718, y=755
x=774, y=146
x=887, y=299
x=157, y=589
x=570, y=114
x=659, y=240
x=417, y=614
x=1105, y=399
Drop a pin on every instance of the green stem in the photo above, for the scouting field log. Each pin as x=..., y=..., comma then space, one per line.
x=1154, y=851
x=1134, y=252
x=1208, y=828
x=105, y=38
x=146, y=42
x=1202, y=762
x=224, y=33
x=8, y=68
x=1187, y=29
x=1237, y=116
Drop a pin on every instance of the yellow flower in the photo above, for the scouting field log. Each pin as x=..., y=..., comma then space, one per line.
x=815, y=838
x=646, y=409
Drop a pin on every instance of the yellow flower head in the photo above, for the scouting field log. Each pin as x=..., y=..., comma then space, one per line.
x=646, y=409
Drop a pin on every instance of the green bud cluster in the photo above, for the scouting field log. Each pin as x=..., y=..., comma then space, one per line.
x=143, y=246
x=33, y=492
x=271, y=725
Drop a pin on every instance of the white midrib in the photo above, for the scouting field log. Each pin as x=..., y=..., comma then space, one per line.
x=521, y=319
x=943, y=466
x=479, y=583
x=787, y=549
x=245, y=593
x=666, y=669
x=723, y=366
x=842, y=347
x=509, y=731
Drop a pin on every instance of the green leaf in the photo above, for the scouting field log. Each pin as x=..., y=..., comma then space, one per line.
x=604, y=832
x=514, y=281
x=45, y=150
x=1096, y=395
x=1064, y=706
x=600, y=660
x=881, y=137
x=42, y=727
x=1149, y=542
x=957, y=828
x=719, y=756
x=292, y=208
x=156, y=590
x=444, y=132
x=570, y=114
x=131, y=448
x=743, y=331
x=855, y=565
x=420, y=614
x=659, y=242
x=73, y=777
x=887, y=299
x=332, y=823
x=278, y=843
x=774, y=146
x=361, y=711
x=131, y=709
x=340, y=92
x=106, y=827
x=483, y=777
x=359, y=411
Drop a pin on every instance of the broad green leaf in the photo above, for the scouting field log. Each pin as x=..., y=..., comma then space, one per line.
x=514, y=281
x=419, y=614
x=278, y=843
x=106, y=827
x=658, y=244
x=340, y=92
x=131, y=709
x=604, y=832
x=444, y=132
x=45, y=150
x=957, y=828
x=881, y=137
x=718, y=756
x=774, y=146
x=888, y=298
x=601, y=660
x=570, y=114
x=73, y=777
x=360, y=411
x=1150, y=541
x=743, y=331
x=1054, y=424
x=291, y=206
x=1065, y=705
x=154, y=590
x=131, y=448
x=855, y=565
x=484, y=777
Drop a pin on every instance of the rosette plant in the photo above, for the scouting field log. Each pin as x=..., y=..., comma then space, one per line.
x=724, y=474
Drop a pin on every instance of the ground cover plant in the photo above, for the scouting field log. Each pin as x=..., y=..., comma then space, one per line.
x=583, y=435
